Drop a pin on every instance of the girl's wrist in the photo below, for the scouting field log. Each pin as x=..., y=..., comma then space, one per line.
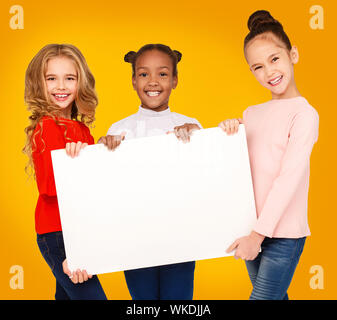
x=257, y=237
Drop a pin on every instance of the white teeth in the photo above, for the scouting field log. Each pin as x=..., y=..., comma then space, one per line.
x=153, y=93
x=276, y=80
x=61, y=95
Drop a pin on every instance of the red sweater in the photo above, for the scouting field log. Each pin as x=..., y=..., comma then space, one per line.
x=52, y=137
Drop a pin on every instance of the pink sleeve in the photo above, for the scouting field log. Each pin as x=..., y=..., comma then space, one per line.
x=244, y=115
x=294, y=171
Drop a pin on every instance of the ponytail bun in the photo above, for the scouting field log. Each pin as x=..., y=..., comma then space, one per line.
x=259, y=18
x=260, y=22
x=130, y=57
x=178, y=54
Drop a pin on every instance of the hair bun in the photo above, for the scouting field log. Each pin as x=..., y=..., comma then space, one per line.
x=178, y=54
x=260, y=17
x=130, y=56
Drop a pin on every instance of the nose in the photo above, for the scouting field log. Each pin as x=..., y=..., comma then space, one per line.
x=60, y=84
x=269, y=70
x=153, y=80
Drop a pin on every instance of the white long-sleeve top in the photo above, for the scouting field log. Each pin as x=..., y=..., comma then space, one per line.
x=146, y=123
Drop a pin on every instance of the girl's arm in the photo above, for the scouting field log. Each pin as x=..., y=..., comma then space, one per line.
x=294, y=167
x=49, y=137
x=295, y=164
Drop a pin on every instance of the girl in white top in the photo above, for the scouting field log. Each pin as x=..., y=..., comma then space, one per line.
x=154, y=76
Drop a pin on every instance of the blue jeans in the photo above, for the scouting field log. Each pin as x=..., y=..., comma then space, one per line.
x=52, y=248
x=272, y=270
x=168, y=282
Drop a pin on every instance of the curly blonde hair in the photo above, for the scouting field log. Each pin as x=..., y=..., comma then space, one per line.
x=40, y=105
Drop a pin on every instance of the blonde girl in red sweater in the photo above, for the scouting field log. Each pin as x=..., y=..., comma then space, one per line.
x=60, y=94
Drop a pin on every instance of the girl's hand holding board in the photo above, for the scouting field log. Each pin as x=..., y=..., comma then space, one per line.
x=112, y=141
x=247, y=248
x=184, y=131
x=230, y=126
x=73, y=149
x=77, y=276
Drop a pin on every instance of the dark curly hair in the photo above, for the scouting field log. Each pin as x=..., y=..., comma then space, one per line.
x=175, y=55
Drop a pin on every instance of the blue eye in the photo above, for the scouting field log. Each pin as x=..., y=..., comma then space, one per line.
x=143, y=74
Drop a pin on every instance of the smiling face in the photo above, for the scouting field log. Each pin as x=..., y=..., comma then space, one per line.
x=153, y=79
x=273, y=65
x=61, y=83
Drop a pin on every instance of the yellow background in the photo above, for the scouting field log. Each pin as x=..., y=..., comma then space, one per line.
x=214, y=84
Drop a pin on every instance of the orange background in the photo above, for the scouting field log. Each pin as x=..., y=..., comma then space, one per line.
x=214, y=84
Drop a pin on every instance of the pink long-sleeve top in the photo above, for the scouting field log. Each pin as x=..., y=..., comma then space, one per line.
x=280, y=137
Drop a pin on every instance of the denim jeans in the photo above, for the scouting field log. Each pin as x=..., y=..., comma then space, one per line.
x=168, y=282
x=272, y=270
x=52, y=248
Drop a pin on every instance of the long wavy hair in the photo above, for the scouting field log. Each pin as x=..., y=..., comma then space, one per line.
x=39, y=103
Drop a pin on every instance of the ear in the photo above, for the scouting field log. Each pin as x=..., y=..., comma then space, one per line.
x=134, y=82
x=294, y=56
x=175, y=81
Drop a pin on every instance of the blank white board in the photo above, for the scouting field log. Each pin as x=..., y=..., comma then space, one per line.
x=154, y=200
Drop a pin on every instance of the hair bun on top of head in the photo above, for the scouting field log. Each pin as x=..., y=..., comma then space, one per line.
x=178, y=54
x=130, y=56
x=260, y=17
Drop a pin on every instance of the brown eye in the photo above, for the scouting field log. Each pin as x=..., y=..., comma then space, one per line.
x=143, y=74
x=256, y=68
x=275, y=59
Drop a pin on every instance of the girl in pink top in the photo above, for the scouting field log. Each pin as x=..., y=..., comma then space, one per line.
x=280, y=136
